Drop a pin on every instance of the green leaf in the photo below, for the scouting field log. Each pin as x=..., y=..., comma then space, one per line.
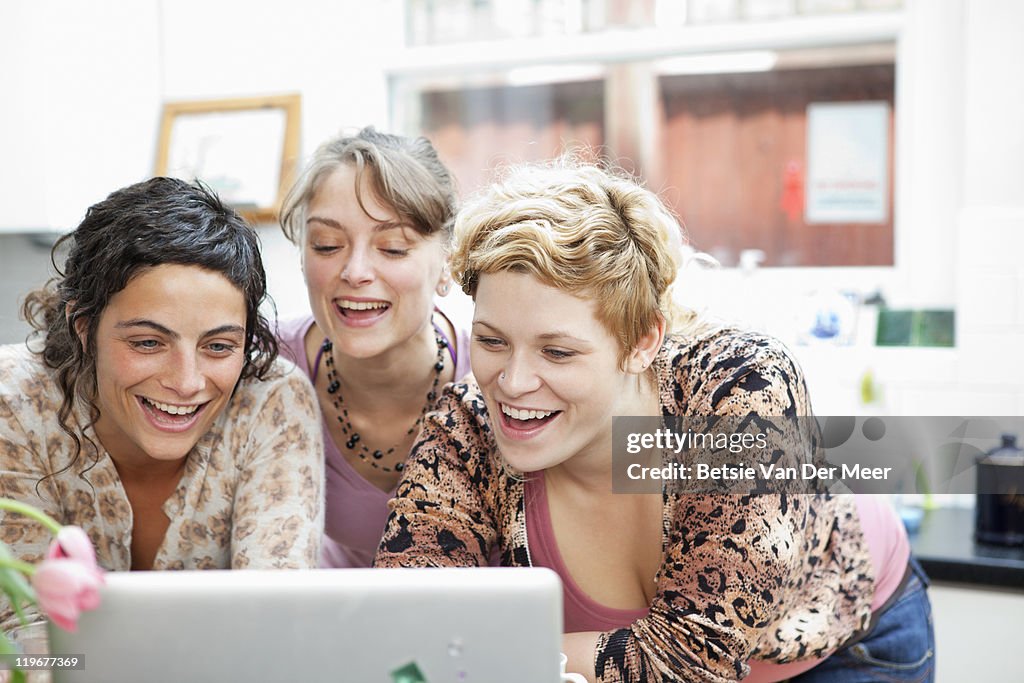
x=17, y=507
x=15, y=586
x=7, y=648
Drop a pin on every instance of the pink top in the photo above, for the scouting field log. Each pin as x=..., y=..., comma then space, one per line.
x=883, y=533
x=356, y=510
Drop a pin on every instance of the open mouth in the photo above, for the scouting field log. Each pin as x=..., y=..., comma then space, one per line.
x=524, y=421
x=171, y=416
x=361, y=312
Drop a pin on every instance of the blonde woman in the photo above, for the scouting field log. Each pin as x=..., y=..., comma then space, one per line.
x=372, y=216
x=570, y=269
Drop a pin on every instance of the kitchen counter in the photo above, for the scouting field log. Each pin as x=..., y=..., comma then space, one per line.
x=947, y=551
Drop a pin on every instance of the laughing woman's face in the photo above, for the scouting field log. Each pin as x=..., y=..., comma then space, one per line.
x=371, y=277
x=549, y=371
x=170, y=348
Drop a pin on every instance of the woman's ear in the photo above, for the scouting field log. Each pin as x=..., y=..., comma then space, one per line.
x=301, y=246
x=647, y=346
x=444, y=283
x=79, y=327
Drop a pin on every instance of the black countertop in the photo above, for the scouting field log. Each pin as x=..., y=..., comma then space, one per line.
x=947, y=551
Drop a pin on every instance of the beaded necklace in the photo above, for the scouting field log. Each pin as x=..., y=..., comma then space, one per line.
x=354, y=442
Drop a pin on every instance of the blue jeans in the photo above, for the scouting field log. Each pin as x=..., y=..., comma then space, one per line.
x=900, y=648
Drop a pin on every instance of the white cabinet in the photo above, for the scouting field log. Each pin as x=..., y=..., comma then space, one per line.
x=977, y=633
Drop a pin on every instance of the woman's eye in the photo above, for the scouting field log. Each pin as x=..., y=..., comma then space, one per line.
x=394, y=248
x=144, y=344
x=490, y=342
x=323, y=248
x=221, y=348
x=559, y=354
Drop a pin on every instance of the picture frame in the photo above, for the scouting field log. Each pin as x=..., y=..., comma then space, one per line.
x=245, y=149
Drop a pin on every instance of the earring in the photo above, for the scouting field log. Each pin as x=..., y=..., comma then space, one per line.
x=501, y=377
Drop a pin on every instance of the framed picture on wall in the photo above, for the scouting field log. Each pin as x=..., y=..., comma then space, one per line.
x=245, y=149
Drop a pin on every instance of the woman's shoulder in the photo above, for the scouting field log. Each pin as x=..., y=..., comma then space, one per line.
x=739, y=366
x=458, y=311
x=459, y=431
x=17, y=361
x=278, y=411
x=725, y=346
x=455, y=462
x=291, y=335
x=25, y=379
x=283, y=383
x=461, y=411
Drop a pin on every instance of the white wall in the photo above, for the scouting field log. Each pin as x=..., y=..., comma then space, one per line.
x=80, y=94
x=80, y=115
x=990, y=246
x=330, y=52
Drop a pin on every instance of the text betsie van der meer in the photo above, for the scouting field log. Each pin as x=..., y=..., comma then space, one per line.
x=735, y=443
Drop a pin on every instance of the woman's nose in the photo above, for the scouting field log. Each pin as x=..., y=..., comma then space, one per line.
x=517, y=377
x=358, y=270
x=185, y=376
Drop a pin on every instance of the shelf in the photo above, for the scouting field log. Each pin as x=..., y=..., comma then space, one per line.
x=651, y=43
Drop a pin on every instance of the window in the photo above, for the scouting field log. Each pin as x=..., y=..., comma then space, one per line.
x=736, y=163
x=711, y=114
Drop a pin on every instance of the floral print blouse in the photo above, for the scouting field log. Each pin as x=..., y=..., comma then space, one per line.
x=778, y=577
x=250, y=496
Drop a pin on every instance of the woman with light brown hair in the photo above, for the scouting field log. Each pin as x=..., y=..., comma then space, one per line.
x=372, y=216
x=570, y=268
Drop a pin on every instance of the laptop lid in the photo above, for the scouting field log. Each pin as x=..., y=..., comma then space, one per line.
x=492, y=625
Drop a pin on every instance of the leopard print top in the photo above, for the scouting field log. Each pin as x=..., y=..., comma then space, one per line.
x=778, y=577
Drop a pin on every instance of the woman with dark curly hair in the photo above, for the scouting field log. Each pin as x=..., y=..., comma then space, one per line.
x=150, y=408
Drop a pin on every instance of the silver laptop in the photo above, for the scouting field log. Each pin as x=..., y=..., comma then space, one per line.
x=493, y=625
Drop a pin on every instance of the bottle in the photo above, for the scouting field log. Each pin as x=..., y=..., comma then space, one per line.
x=999, y=508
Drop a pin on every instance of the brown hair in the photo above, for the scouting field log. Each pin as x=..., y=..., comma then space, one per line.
x=403, y=172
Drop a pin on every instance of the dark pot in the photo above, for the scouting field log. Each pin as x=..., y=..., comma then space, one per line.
x=999, y=509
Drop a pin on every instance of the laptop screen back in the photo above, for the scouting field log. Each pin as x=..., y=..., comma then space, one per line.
x=493, y=625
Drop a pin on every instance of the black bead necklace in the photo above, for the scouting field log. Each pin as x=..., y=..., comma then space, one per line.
x=353, y=441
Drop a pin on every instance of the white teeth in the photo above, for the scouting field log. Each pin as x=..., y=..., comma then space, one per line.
x=172, y=409
x=517, y=414
x=362, y=305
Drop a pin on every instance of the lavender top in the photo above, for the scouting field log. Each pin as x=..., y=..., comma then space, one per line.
x=356, y=509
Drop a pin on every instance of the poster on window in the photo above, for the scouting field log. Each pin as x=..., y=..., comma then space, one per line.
x=847, y=162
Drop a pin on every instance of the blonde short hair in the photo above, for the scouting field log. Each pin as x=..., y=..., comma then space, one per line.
x=581, y=228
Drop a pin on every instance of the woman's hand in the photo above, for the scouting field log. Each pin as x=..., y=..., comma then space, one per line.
x=580, y=649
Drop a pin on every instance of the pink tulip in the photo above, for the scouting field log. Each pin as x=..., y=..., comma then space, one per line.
x=73, y=543
x=68, y=580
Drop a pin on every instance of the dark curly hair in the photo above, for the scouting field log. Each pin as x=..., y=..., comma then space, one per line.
x=158, y=221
